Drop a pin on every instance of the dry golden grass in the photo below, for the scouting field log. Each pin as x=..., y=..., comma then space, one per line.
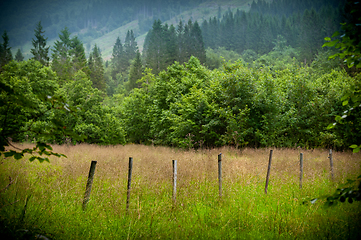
x=153, y=164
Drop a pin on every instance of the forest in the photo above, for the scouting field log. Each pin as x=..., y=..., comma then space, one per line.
x=269, y=77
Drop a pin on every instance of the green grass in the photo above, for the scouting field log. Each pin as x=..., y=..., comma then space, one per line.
x=54, y=192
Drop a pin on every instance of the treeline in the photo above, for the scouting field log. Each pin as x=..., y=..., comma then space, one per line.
x=303, y=25
x=164, y=45
x=98, y=17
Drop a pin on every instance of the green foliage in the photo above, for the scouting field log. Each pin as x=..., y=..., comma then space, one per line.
x=28, y=105
x=93, y=119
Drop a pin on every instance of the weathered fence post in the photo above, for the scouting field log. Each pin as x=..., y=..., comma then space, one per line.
x=268, y=171
x=331, y=163
x=129, y=180
x=89, y=184
x=174, y=180
x=220, y=173
x=301, y=169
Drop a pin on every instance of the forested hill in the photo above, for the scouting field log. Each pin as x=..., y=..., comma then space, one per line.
x=102, y=21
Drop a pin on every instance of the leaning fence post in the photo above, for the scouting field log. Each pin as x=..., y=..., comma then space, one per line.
x=331, y=163
x=174, y=179
x=220, y=173
x=129, y=180
x=268, y=171
x=301, y=169
x=89, y=184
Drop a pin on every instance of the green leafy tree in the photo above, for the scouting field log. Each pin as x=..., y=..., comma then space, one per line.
x=39, y=50
x=93, y=119
x=350, y=50
x=28, y=104
x=19, y=56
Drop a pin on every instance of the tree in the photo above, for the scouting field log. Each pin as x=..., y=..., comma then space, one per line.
x=28, y=104
x=5, y=51
x=68, y=56
x=117, y=59
x=350, y=50
x=19, y=56
x=350, y=47
x=96, y=69
x=135, y=73
x=130, y=46
x=39, y=50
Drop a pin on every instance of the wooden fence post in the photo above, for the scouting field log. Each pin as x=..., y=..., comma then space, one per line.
x=129, y=180
x=301, y=169
x=220, y=173
x=331, y=163
x=89, y=184
x=174, y=180
x=268, y=171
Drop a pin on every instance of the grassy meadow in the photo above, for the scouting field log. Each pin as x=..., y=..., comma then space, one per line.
x=45, y=199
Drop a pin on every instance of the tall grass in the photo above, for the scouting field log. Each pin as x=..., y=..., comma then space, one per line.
x=46, y=198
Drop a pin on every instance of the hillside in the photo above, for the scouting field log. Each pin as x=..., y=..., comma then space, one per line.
x=106, y=41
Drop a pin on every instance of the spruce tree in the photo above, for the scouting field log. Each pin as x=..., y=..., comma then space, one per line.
x=5, y=51
x=39, y=50
x=135, y=73
x=19, y=56
x=96, y=69
x=130, y=46
x=68, y=56
x=117, y=60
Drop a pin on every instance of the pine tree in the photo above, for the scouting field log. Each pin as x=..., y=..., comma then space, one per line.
x=68, y=56
x=130, y=46
x=19, y=56
x=5, y=51
x=96, y=69
x=135, y=73
x=39, y=50
x=117, y=60
x=197, y=48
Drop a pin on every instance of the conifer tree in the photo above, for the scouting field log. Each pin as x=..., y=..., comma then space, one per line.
x=117, y=60
x=96, y=69
x=5, y=51
x=19, y=56
x=68, y=56
x=135, y=73
x=39, y=50
x=130, y=46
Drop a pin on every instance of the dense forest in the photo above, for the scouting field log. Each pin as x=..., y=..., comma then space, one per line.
x=259, y=78
x=94, y=17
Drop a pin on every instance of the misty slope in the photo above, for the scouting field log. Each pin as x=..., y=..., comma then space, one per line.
x=106, y=41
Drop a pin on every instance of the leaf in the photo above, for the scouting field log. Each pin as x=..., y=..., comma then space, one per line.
x=327, y=39
x=345, y=103
x=335, y=34
x=32, y=158
x=356, y=150
x=18, y=156
x=330, y=126
x=353, y=146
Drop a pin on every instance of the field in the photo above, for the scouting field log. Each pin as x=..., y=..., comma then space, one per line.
x=45, y=199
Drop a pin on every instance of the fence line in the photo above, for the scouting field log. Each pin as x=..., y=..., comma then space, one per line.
x=174, y=163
